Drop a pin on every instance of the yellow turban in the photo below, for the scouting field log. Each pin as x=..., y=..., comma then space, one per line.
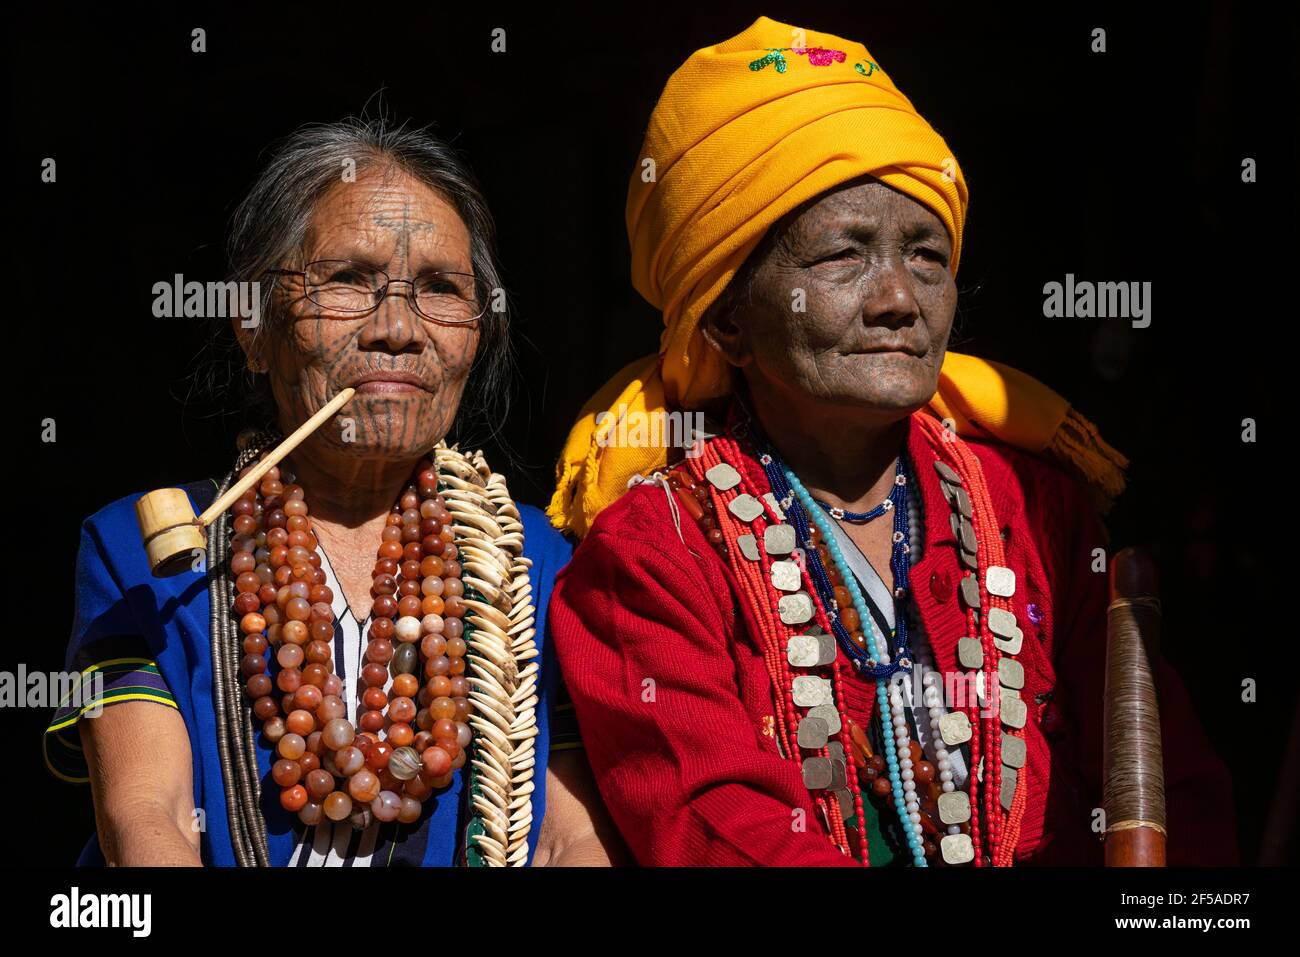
x=744, y=132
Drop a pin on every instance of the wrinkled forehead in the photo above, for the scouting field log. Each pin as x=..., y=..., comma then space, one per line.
x=863, y=204
x=388, y=218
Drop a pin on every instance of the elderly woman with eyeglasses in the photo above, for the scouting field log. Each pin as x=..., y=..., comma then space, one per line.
x=358, y=675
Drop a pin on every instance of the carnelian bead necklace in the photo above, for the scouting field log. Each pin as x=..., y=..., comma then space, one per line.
x=412, y=731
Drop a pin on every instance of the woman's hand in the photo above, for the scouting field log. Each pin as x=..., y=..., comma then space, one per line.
x=576, y=830
x=140, y=765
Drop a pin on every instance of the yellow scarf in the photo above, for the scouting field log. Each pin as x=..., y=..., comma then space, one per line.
x=744, y=132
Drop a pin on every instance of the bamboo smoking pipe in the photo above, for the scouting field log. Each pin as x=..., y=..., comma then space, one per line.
x=172, y=534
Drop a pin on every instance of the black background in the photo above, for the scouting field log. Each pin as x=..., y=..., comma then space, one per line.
x=1120, y=166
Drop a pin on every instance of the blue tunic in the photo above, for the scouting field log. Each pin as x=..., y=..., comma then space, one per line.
x=118, y=599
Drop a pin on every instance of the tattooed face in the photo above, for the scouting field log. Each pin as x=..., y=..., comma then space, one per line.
x=409, y=371
x=851, y=306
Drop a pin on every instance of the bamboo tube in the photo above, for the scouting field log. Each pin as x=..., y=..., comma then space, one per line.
x=1133, y=772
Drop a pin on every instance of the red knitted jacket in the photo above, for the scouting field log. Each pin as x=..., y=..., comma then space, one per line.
x=675, y=704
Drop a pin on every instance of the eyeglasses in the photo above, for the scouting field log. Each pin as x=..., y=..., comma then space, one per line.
x=351, y=288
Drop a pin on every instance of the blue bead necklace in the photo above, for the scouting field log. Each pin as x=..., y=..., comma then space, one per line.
x=855, y=518
x=899, y=560
x=803, y=511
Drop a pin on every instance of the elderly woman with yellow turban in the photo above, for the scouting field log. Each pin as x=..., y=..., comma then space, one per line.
x=858, y=621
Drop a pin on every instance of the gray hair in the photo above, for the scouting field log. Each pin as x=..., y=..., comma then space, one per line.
x=270, y=224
